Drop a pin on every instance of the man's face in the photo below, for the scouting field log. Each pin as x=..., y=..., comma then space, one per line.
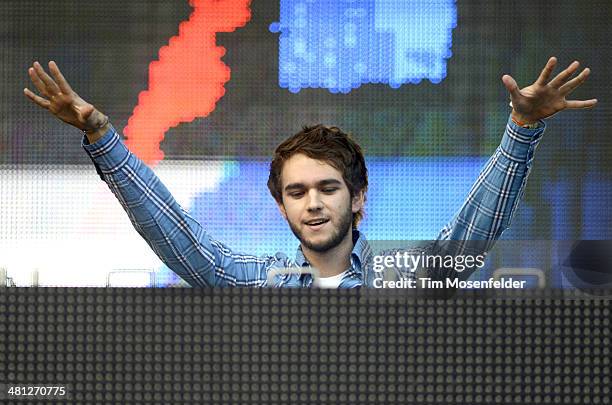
x=317, y=203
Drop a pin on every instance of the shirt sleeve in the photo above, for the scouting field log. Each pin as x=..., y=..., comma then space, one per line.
x=492, y=200
x=177, y=238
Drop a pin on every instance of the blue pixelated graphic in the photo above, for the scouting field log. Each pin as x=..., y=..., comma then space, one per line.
x=341, y=44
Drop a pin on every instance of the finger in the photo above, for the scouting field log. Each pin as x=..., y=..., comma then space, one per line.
x=42, y=88
x=575, y=82
x=545, y=74
x=37, y=99
x=562, y=77
x=581, y=103
x=59, y=78
x=52, y=87
x=511, y=86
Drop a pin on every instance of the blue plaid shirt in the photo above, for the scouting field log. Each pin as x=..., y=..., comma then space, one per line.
x=182, y=244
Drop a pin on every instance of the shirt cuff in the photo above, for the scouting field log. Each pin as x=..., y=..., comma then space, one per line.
x=518, y=144
x=108, y=153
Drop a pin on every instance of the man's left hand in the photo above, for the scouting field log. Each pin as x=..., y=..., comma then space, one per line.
x=545, y=98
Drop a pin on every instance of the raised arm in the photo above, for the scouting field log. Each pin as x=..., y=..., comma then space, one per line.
x=174, y=236
x=494, y=197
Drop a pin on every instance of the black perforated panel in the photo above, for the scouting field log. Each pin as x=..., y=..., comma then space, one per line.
x=304, y=347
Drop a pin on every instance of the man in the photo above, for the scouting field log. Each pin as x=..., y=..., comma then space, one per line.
x=319, y=180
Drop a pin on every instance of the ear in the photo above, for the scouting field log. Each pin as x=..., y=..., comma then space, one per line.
x=281, y=208
x=358, y=201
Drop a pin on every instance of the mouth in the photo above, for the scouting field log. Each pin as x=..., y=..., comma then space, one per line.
x=317, y=223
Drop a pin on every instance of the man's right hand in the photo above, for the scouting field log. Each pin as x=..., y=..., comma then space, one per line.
x=63, y=102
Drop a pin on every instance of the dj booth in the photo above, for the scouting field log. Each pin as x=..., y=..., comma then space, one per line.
x=278, y=346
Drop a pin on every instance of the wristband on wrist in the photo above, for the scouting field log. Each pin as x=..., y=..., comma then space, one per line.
x=104, y=123
x=528, y=125
x=531, y=125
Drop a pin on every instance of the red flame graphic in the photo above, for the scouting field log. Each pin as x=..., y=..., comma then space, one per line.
x=187, y=80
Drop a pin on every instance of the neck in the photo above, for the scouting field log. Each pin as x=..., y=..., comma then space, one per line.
x=334, y=261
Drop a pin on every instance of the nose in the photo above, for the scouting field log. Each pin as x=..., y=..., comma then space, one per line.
x=314, y=201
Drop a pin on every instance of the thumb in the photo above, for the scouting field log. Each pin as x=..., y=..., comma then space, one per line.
x=511, y=86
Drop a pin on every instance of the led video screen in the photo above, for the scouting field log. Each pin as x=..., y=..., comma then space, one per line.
x=205, y=90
